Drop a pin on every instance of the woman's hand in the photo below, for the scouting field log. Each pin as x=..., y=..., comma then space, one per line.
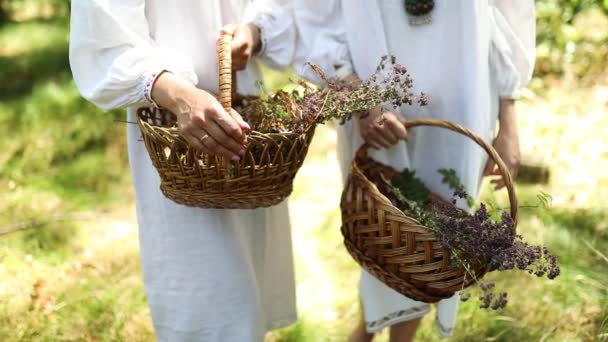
x=245, y=43
x=201, y=120
x=506, y=144
x=380, y=129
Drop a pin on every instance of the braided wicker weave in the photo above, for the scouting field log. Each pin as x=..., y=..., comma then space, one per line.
x=262, y=178
x=395, y=248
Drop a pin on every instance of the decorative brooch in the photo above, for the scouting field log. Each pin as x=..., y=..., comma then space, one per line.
x=419, y=11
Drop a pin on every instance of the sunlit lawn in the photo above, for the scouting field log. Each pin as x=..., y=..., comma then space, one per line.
x=77, y=277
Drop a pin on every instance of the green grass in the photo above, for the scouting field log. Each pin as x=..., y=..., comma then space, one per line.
x=94, y=293
x=60, y=155
x=571, y=308
x=56, y=147
x=77, y=278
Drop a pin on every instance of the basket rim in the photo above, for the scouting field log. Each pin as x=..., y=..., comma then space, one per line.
x=354, y=168
x=174, y=130
x=356, y=171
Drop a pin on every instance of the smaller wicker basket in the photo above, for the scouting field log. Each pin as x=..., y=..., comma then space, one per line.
x=394, y=247
x=262, y=178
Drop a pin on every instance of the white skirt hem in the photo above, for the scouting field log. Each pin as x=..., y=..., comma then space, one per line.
x=397, y=317
x=443, y=331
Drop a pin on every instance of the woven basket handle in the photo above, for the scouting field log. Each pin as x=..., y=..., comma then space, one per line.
x=479, y=141
x=227, y=79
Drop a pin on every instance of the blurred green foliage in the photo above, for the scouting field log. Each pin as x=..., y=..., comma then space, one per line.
x=20, y=9
x=571, y=39
x=58, y=153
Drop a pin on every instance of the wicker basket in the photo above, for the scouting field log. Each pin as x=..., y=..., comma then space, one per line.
x=262, y=178
x=395, y=248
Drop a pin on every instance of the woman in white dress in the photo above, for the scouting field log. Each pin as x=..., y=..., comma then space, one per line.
x=471, y=59
x=209, y=275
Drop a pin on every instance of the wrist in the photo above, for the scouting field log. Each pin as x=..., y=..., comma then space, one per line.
x=508, y=128
x=507, y=117
x=172, y=93
x=256, y=38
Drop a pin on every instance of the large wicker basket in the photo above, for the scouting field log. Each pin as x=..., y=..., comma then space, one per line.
x=262, y=178
x=395, y=248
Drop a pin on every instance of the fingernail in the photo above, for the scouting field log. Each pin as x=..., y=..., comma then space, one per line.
x=236, y=158
x=242, y=152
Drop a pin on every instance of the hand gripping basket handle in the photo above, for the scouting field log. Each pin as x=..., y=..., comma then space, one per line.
x=479, y=141
x=227, y=79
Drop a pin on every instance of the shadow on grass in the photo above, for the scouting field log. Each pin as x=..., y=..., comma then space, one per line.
x=589, y=222
x=51, y=242
x=21, y=73
x=48, y=242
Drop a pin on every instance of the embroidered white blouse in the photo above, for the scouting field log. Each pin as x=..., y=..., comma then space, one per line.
x=471, y=54
x=209, y=275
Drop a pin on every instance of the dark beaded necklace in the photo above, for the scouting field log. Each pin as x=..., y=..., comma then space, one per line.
x=419, y=11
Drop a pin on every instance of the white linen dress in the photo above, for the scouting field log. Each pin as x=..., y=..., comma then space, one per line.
x=209, y=275
x=472, y=53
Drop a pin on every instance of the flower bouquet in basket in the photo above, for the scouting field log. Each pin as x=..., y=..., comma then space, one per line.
x=476, y=240
x=426, y=247
x=282, y=128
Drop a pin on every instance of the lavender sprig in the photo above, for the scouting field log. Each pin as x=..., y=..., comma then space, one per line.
x=474, y=239
x=389, y=86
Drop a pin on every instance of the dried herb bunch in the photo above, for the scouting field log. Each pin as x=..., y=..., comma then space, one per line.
x=301, y=109
x=476, y=239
